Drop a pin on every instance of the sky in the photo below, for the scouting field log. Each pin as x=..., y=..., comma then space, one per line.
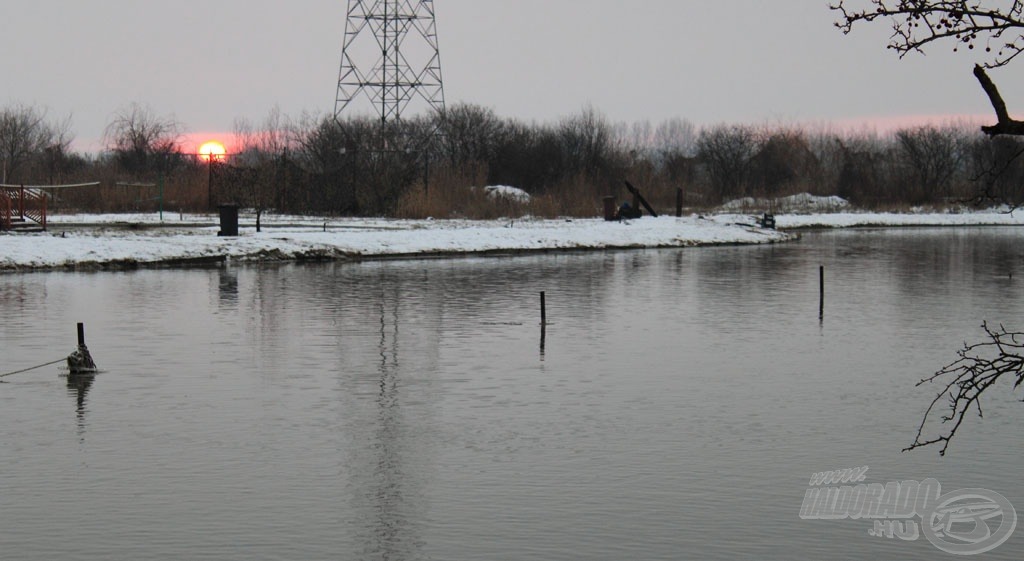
x=725, y=61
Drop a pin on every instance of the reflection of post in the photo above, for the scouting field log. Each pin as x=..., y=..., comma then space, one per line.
x=227, y=290
x=78, y=387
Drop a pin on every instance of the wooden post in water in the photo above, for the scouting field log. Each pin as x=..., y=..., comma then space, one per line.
x=543, y=324
x=821, y=292
x=679, y=202
x=80, y=361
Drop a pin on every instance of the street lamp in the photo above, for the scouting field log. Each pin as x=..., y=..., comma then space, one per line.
x=211, y=151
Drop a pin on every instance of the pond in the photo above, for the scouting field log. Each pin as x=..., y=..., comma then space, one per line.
x=676, y=406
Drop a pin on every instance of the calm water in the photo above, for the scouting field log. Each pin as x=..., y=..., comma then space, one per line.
x=406, y=410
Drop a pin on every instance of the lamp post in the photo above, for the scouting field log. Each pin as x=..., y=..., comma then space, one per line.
x=209, y=181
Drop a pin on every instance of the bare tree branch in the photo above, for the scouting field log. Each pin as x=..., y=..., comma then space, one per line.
x=979, y=366
x=970, y=23
x=1005, y=124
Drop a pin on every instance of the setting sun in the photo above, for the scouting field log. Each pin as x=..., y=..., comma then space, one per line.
x=212, y=150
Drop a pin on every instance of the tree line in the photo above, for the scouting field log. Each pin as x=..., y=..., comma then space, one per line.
x=427, y=166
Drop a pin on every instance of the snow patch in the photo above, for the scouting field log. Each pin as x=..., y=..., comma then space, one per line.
x=801, y=202
x=507, y=192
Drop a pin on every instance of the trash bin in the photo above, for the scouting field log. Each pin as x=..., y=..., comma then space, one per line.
x=228, y=220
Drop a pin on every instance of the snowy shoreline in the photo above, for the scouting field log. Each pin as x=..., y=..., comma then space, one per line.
x=126, y=241
x=89, y=242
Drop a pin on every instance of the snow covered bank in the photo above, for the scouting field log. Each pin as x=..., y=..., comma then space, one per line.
x=132, y=240
x=804, y=210
x=126, y=240
x=882, y=219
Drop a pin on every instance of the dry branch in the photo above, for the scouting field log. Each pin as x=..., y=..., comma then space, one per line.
x=979, y=366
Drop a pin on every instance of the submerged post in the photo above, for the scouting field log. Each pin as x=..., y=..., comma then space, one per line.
x=80, y=361
x=821, y=292
x=543, y=310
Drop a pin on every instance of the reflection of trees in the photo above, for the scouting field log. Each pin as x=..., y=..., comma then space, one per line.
x=753, y=280
x=388, y=325
x=323, y=303
x=936, y=267
x=21, y=298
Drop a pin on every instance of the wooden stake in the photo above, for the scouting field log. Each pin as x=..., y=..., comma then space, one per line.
x=821, y=292
x=543, y=325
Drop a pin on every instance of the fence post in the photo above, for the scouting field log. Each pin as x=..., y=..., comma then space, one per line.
x=821, y=292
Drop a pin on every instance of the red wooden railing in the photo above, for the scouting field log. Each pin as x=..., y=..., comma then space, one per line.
x=19, y=203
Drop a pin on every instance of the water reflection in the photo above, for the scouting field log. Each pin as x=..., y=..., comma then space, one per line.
x=391, y=529
x=227, y=289
x=397, y=410
x=386, y=492
x=78, y=387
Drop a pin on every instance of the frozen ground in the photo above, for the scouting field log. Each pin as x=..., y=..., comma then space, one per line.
x=127, y=240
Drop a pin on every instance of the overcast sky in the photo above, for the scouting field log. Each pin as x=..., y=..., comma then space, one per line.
x=751, y=61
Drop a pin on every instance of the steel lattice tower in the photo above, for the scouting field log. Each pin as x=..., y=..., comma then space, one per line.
x=401, y=37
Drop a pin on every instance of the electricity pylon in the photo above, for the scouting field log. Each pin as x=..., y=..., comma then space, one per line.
x=390, y=57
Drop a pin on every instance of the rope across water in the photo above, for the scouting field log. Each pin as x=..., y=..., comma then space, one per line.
x=32, y=368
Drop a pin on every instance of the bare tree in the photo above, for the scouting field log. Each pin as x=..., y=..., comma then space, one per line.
x=675, y=138
x=142, y=140
x=261, y=172
x=586, y=141
x=783, y=159
x=979, y=366
x=997, y=167
x=25, y=134
x=470, y=134
x=726, y=152
x=930, y=156
x=997, y=28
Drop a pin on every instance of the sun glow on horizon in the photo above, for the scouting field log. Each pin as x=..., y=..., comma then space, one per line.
x=212, y=150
